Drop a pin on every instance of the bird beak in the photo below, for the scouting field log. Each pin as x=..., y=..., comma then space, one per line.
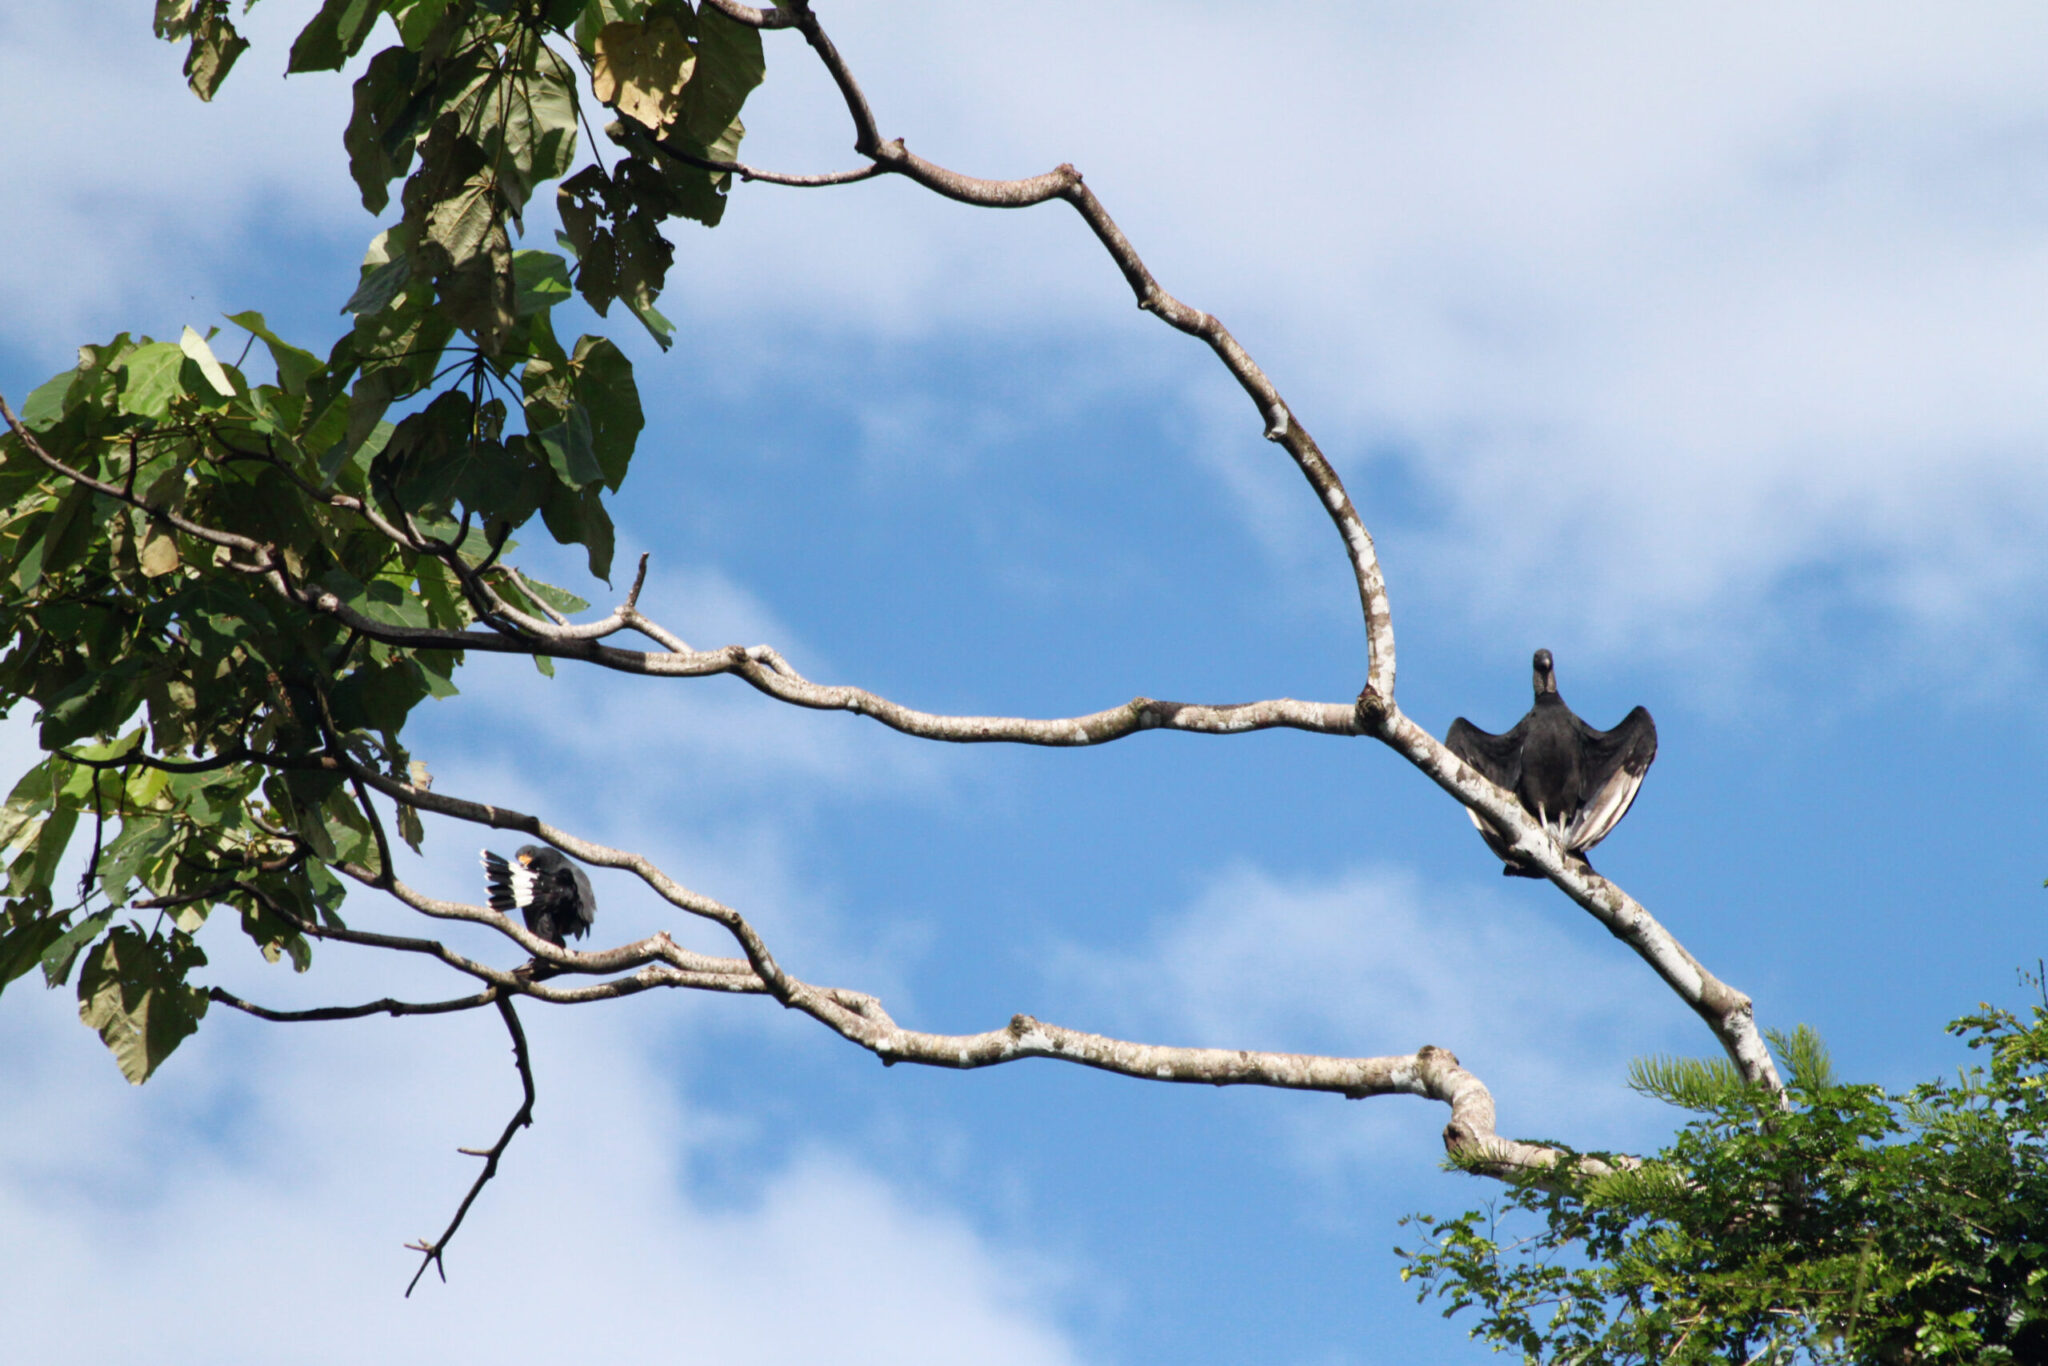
x=525, y=860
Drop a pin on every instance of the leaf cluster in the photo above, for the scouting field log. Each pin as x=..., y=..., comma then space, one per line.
x=1841, y=1224
x=198, y=564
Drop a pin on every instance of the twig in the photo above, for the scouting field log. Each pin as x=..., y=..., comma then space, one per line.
x=386, y=1006
x=433, y=1251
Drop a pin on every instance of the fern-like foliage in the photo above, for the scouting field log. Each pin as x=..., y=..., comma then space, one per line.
x=1701, y=1085
x=1805, y=1057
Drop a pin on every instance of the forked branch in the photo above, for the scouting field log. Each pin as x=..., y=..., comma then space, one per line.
x=432, y=1251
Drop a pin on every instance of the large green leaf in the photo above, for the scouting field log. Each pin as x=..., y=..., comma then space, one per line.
x=542, y=281
x=133, y=991
x=569, y=449
x=27, y=930
x=151, y=379
x=578, y=517
x=383, y=125
x=195, y=349
x=334, y=35
x=605, y=387
x=536, y=138
x=294, y=365
x=454, y=196
x=729, y=65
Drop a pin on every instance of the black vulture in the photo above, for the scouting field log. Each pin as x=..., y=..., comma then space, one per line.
x=1576, y=781
x=544, y=886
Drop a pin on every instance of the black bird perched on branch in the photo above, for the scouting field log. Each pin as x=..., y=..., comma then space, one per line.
x=545, y=887
x=1576, y=781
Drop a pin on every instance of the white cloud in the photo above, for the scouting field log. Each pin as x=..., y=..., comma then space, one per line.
x=248, y=1205
x=1663, y=311
x=128, y=199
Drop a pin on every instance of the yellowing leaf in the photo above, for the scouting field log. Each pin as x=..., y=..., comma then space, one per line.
x=194, y=346
x=159, y=553
x=642, y=69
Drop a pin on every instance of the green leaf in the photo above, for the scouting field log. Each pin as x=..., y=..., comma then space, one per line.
x=1805, y=1055
x=730, y=64
x=644, y=258
x=595, y=14
x=94, y=704
x=64, y=537
x=333, y=36
x=578, y=517
x=700, y=193
x=605, y=387
x=454, y=195
x=150, y=379
x=385, y=270
x=415, y=18
x=1698, y=1084
x=214, y=46
x=133, y=992
x=379, y=599
x=563, y=601
x=294, y=366
x=410, y=829
x=29, y=801
x=27, y=931
x=62, y=952
x=399, y=344
x=214, y=49
x=381, y=128
x=537, y=136
x=173, y=18
x=570, y=450
x=542, y=280
x=47, y=403
x=455, y=198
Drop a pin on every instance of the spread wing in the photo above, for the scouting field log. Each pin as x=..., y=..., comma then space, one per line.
x=510, y=886
x=1499, y=757
x=1496, y=757
x=1616, y=761
x=584, y=913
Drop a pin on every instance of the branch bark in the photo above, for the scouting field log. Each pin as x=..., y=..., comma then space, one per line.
x=432, y=1251
x=1430, y=1072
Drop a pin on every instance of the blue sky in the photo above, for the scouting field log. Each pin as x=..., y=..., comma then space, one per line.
x=1703, y=346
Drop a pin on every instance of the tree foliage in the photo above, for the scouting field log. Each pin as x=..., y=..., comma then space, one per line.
x=227, y=587
x=198, y=560
x=1842, y=1225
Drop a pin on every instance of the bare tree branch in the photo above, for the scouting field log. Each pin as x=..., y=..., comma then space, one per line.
x=386, y=1006
x=658, y=962
x=1729, y=1013
x=433, y=1251
x=1431, y=1072
x=762, y=667
x=741, y=169
x=754, y=18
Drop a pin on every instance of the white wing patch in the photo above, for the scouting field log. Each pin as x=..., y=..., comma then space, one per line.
x=512, y=879
x=523, y=880
x=1604, y=809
